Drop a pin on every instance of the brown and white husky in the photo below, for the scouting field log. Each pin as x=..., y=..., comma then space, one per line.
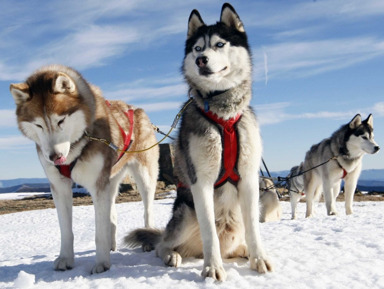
x=60, y=111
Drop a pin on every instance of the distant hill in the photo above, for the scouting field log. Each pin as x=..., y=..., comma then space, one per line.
x=370, y=180
x=16, y=182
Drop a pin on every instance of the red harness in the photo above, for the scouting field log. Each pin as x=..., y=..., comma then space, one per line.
x=230, y=148
x=344, y=173
x=66, y=170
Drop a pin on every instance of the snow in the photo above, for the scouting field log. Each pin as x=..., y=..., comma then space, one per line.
x=19, y=196
x=321, y=252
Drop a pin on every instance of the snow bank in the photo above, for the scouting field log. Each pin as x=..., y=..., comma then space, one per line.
x=322, y=252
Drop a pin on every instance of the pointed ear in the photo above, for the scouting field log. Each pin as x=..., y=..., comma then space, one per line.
x=230, y=18
x=355, y=122
x=195, y=22
x=20, y=92
x=369, y=120
x=64, y=83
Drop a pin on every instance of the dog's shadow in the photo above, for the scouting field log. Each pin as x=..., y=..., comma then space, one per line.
x=126, y=263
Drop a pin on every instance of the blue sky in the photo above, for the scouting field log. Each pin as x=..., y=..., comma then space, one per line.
x=316, y=64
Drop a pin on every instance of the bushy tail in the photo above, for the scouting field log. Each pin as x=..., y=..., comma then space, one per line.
x=146, y=238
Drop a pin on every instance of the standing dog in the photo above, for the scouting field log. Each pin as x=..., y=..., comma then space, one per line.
x=344, y=150
x=295, y=187
x=60, y=111
x=218, y=152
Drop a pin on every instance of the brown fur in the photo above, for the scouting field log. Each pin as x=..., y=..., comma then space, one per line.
x=58, y=94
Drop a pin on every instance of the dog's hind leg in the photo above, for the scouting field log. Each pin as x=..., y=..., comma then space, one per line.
x=181, y=237
x=146, y=180
x=294, y=199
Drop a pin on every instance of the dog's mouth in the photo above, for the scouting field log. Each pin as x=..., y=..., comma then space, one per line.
x=59, y=160
x=205, y=71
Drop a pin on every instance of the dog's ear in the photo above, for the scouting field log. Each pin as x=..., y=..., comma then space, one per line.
x=20, y=92
x=64, y=83
x=355, y=122
x=230, y=18
x=195, y=22
x=369, y=120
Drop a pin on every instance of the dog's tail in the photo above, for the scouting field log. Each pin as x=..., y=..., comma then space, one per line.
x=147, y=238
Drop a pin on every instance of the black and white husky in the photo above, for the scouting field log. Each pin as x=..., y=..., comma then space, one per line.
x=345, y=150
x=218, y=151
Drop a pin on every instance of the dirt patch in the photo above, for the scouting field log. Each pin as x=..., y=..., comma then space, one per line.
x=39, y=202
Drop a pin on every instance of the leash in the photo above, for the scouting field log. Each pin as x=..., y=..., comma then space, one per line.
x=174, y=125
x=306, y=171
x=286, y=179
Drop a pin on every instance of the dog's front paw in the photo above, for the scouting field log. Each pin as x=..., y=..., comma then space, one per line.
x=63, y=264
x=216, y=272
x=173, y=259
x=101, y=267
x=261, y=265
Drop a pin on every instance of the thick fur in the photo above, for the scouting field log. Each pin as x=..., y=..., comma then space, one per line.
x=348, y=145
x=57, y=109
x=270, y=208
x=295, y=187
x=207, y=222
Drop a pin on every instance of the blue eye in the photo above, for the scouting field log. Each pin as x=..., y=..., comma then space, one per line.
x=198, y=48
x=220, y=44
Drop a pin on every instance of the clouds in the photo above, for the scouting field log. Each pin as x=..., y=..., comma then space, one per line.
x=306, y=58
x=275, y=113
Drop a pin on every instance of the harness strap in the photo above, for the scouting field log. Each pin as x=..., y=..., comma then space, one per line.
x=341, y=167
x=66, y=170
x=126, y=136
x=230, y=148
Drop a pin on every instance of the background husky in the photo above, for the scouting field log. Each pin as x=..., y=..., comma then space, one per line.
x=58, y=109
x=270, y=208
x=348, y=145
x=216, y=211
x=295, y=187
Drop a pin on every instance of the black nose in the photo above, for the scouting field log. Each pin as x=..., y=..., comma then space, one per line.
x=377, y=148
x=202, y=61
x=54, y=156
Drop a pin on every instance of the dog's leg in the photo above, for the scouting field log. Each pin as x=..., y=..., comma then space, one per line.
x=328, y=198
x=310, y=193
x=62, y=196
x=103, y=203
x=295, y=197
x=249, y=201
x=146, y=184
x=349, y=191
x=203, y=198
x=114, y=192
x=182, y=233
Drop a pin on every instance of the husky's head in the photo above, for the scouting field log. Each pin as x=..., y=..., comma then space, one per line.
x=217, y=57
x=52, y=110
x=360, y=138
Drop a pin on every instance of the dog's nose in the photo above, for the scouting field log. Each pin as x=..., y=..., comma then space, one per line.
x=202, y=61
x=376, y=148
x=53, y=157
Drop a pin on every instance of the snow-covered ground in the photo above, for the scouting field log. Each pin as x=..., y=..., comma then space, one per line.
x=322, y=252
